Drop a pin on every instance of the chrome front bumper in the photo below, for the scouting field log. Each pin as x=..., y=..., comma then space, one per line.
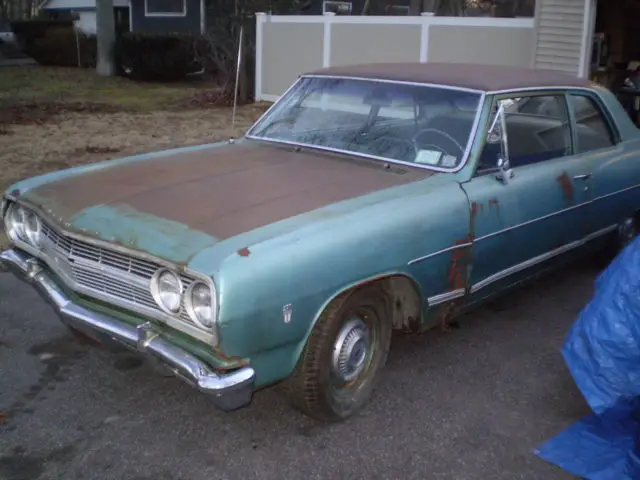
x=230, y=391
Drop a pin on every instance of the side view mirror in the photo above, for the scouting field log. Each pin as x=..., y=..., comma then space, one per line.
x=505, y=173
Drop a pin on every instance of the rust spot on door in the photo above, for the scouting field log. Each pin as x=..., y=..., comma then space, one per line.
x=460, y=258
x=567, y=186
x=494, y=203
x=244, y=252
x=475, y=208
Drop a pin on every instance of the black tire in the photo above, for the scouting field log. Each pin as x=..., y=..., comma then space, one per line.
x=626, y=232
x=315, y=387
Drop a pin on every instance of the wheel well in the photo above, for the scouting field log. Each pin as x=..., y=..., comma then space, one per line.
x=404, y=295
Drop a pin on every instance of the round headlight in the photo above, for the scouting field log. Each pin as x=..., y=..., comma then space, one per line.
x=200, y=303
x=14, y=223
x=166, y=288
x=32, y=228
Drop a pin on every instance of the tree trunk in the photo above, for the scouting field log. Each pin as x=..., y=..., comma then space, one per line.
x=450, y=8
x=415, y=7
x=106, y=38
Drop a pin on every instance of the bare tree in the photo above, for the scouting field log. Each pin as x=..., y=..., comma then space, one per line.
x=106, y=38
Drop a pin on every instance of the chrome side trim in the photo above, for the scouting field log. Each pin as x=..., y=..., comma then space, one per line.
x=444, y=250
x=559, y=212
x=446, y=297
x=523, y=224
x=539, y=259
x=229, y=390
x=633, y=187
x=529, y=222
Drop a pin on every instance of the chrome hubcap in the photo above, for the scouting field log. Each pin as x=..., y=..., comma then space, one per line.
x=627, y=231
x=351, y=349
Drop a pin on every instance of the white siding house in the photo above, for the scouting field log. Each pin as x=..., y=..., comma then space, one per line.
x=86, y=10
x=563, y=35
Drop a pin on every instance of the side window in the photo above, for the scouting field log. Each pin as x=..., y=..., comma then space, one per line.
x=592, y=130
x=537, y=129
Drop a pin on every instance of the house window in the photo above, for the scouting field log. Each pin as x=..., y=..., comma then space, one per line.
x=165, y=8
x=339, y=8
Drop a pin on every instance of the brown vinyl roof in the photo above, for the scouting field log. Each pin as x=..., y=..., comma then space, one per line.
x=478, y=77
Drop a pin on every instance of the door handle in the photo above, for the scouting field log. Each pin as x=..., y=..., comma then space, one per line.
x=584, y=176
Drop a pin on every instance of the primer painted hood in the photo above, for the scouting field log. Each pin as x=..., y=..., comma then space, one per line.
x=175, y=204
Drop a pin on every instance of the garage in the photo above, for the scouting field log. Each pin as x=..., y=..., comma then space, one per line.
x=599, y=39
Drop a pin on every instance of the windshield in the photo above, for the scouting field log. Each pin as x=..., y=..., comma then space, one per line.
x=421, y=125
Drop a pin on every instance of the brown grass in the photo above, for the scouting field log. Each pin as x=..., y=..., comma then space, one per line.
x=123, y=118
x=30, y=84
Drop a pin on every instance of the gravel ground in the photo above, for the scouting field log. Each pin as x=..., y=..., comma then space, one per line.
x=466, y=404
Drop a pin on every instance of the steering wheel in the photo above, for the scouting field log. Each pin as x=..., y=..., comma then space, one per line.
x=398, y=147
x=448, y=137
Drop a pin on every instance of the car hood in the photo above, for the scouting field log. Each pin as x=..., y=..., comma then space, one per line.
x=174, y=205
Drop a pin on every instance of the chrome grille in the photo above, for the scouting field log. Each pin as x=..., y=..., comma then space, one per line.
x=105, y=271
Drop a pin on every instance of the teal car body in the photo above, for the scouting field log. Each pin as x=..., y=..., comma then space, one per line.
x=280, y=225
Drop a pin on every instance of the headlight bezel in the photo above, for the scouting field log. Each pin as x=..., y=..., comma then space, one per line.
x=34, y=241
x=16, y=225
x=15, y=231
x=191, y=309
x=156, y=293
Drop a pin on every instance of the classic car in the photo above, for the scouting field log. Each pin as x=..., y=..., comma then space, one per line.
x=367, y=199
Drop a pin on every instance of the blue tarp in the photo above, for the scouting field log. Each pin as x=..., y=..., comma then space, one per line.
x=602, y=352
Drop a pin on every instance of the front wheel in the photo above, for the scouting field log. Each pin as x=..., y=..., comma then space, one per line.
x=347, y=348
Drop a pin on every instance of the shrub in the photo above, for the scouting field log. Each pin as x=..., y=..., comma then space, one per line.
x=28, y=29
x=60, y=47
x=54, y=42
x=163, y=57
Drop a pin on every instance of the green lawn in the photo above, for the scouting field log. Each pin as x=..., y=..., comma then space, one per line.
x=30, y=84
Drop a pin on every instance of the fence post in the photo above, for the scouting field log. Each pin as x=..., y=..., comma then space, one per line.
x=257, y=94
x=75, y=31
x=326, y=39
x=424, y=36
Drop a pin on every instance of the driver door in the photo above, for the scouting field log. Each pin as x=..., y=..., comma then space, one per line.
x=529, y=211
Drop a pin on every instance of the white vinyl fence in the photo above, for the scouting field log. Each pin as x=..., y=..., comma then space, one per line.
x=288, y=45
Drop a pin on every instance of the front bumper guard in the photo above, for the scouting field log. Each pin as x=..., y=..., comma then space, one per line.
x=229, y=391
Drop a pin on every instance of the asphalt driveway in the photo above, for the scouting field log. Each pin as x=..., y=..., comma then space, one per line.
x=466, y=404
